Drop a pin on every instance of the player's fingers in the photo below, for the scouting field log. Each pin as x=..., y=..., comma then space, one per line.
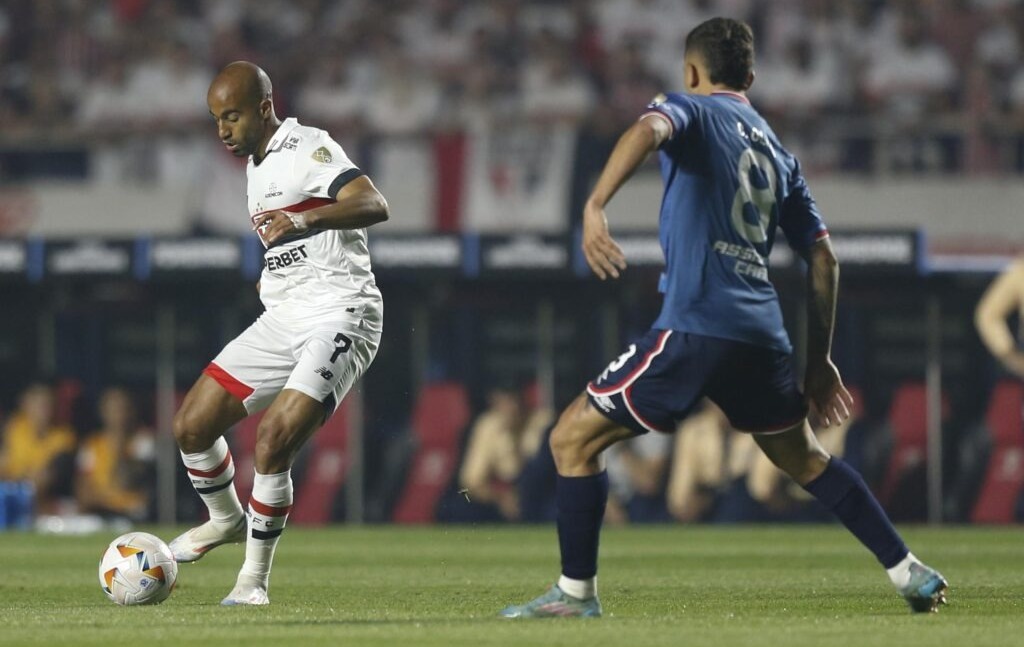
x=607, y=265
x=841, y=407
x=846, y=397
x=614, y=252
x=592, y=262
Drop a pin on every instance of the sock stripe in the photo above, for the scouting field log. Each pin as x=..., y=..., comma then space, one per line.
x=215, y=488
x=267, y=510
x=215, y=472
x=266, y=534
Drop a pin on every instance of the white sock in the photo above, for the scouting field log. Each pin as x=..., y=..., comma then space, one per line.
x=268, y=512
x=212, y=474
x=899, y=574
x=579, y=589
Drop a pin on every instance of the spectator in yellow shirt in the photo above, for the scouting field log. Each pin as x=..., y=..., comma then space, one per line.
x=37, y=449
x=115, y=461
x=502, y=439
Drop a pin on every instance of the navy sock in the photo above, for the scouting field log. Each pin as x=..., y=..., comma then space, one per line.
x=581, y=501
x=842, y=490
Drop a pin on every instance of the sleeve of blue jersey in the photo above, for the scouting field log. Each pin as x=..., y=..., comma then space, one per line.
x=678, y=109
x=799, y=217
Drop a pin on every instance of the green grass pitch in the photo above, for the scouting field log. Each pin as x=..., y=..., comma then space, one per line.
x=672, y=585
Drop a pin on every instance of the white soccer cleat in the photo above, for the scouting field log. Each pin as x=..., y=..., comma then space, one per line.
x=246, y=593
x=198, y=541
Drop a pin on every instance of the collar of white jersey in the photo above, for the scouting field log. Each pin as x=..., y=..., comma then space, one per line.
x=286, y=127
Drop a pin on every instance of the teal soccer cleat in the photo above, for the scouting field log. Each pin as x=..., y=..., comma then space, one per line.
x=555, y=604
x=926, y=589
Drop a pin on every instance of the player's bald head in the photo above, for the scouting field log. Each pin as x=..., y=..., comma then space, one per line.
x=242, y=81
x=240, y=102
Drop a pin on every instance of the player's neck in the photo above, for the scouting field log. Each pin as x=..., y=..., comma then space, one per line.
x=718, y=88
x=261, y=151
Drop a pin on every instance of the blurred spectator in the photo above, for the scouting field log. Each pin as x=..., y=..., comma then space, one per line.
x=1003, y=299
x=401, y=101
x=552, y=89
x=38, y=449
x=910, y=74
x=909, y=79
x=797, y=85
x=330, y=99
x=708, y=458
x=720, y=475
x=773, y=495
x=636, y=479
x=115, y=462
x=502, y=439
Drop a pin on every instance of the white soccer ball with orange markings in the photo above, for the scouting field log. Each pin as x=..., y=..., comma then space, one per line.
x=138, y=568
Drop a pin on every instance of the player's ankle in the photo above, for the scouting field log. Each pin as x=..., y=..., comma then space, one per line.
x=899, y=574
x=579, y=589
x=228, y=524
x=249, y=579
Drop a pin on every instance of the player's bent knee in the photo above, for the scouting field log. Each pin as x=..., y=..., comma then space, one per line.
x=570, y=439
x=190, y=433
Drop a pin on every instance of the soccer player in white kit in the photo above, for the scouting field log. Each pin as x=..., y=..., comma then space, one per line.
x=310, y=206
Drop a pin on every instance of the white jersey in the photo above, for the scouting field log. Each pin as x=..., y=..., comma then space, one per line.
x=322, y=273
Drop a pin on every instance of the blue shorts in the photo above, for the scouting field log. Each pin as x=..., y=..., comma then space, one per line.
x=665, y=373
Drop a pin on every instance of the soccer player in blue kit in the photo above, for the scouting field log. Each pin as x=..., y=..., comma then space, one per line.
x=728, y=184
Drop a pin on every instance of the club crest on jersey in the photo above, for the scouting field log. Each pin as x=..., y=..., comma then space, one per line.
x=658, y=100
x=322, y=155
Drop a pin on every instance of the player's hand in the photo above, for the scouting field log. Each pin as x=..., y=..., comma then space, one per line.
x=602, y=253
x=275, y=225
x=827, y=397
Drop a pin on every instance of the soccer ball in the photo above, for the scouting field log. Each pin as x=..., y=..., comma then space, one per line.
x=138, y=568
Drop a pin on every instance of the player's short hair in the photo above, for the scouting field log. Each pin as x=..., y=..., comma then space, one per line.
x=727, y=47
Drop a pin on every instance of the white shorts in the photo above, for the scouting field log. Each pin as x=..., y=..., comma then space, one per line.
x=323, y=361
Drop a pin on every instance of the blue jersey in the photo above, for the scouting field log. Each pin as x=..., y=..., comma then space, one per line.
x=728, y=185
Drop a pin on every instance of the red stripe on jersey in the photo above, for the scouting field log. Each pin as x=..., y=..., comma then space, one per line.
x=821, y=235
x=267, y=510
x=299, y=207
x=215, y=472
x=231, y=384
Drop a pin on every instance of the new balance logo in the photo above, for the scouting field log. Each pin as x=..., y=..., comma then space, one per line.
x=325, y=373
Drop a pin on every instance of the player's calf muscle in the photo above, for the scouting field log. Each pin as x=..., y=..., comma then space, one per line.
x=279, y=438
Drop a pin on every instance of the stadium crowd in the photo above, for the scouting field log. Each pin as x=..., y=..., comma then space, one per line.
x=938, y=82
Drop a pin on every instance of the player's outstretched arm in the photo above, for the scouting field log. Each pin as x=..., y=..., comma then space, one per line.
x=823, y=388
x=602, y=253
x=358, y=204
x=1002, y=299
